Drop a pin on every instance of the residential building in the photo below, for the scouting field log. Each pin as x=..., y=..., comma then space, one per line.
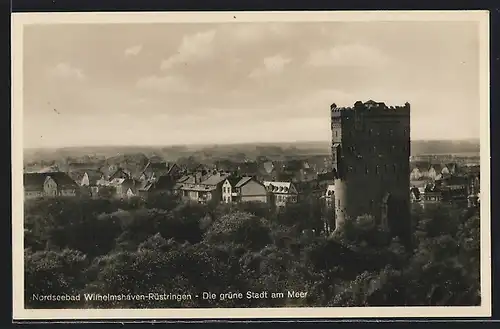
x=281, y=193
x=243, y=189
x=119, y=173
x=164, y=184
x=370, y=157
x=204, y=190
x=124, y=187
x=329, y=196
x=419, y=170
x=49, y=184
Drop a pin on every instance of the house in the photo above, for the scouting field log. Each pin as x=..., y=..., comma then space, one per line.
x=432, y=194
x=419, y=170
x=281, y=193
x=202, y=189
x=86, y=177
x=88, y=180
x=450, y=169
x=420, y=184
x=415, y=195
x=153, y=170
x=120, y=173
x=50, y=184
x=435, y=171
x=164, y=184
x=329, y=196
x=454, y=188
x=243, y=189
x=124, y=187
x=268, y=169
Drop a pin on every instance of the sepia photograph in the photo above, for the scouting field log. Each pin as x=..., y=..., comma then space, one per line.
x=251, y=165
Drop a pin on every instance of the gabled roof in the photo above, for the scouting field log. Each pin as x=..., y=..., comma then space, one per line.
x=233, y=180
x=215, y=179
x=93, y=174
x=280, y=187
x=35, y=181
x=164, y=182
x=243, y=181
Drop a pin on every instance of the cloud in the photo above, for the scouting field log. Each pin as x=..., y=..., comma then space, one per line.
x=193, y=48
x=348, y=55
x=66, y=71
x=133, y=51
x=272, y=65
x=162, y=84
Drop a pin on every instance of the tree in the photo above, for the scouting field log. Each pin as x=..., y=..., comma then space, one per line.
x=51, y=273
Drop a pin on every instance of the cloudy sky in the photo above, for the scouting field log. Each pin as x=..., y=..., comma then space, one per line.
x=160, y=84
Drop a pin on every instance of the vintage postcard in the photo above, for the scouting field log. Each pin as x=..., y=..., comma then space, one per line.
x=240, y=165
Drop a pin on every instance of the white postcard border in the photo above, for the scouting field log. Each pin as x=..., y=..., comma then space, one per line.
x=21, y=19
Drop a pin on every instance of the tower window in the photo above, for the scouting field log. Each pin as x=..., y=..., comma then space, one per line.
x=391, y=132
x=366, y=169
x=377, y=169
x=336, y=133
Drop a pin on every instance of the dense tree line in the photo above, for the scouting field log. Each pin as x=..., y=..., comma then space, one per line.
x=82, y=246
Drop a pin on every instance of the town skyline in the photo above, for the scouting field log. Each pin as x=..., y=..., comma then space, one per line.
x=214, y=83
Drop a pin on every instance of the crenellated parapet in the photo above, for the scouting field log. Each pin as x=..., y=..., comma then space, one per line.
x=370, y=107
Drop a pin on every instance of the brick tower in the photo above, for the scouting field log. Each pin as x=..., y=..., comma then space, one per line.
x=370, y=158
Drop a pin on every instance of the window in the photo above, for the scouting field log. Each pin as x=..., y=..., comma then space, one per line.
x=376, y=169
x=391, y=132
x=336, y=133
x=370, y=132
x=366, y=169
x=374, y=149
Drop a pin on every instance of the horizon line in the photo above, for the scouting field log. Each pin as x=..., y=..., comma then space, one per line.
x=477, y=139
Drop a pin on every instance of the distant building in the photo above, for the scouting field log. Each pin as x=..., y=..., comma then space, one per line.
x=282, y=193
x=419, y=170
x=329, y=196
x=119, y=173
x=243, y=189
x=49, y=184
x=124, y=187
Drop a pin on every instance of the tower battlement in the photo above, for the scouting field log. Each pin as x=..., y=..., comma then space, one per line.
x=371, y=107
